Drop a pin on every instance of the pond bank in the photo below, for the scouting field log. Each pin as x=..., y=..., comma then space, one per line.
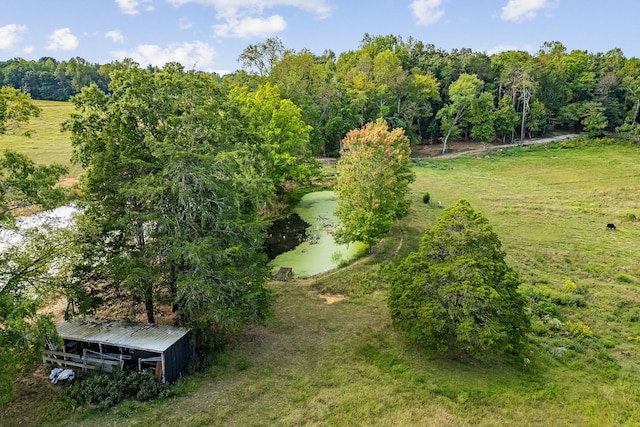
x=319, y=253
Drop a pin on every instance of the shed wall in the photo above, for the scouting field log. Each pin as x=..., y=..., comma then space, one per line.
x=177, y=357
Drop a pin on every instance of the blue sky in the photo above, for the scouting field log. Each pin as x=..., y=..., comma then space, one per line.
x=210, y=34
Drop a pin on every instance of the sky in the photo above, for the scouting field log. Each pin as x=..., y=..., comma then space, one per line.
x=209, y=35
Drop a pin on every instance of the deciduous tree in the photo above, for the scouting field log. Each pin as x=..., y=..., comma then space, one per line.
x=374, y=173
x=15, y=108
x=462, y=93
x=283, y=135
x=25, y=269
x=172, y=190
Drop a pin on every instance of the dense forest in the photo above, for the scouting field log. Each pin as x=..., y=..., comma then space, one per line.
x=433, y=94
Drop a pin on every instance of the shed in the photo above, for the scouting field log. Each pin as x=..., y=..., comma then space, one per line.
x=98, y=343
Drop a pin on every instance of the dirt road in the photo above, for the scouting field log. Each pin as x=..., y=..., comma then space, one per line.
x=435, y=150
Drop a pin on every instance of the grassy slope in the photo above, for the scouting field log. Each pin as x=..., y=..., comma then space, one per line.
x=342, y=364
x=47, y=144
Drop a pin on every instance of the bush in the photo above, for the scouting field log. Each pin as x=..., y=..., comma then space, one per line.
x=426, y=198
x=578, y=329
x=106, y=390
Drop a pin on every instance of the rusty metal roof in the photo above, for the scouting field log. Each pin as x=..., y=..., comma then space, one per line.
x=120, y=333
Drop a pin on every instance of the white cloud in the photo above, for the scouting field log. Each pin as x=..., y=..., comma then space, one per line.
x=62, y=39
x=250, y=27
x=427, y=12
x=245, y=18
x=196, y=54
x=233, y=7
x=10, y=35
x=184, y=23
x=506, y=47
x=130, y=7
x=522, y=10
x=115, y=36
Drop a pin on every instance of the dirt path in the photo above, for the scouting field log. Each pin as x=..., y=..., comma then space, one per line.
x=466, y=150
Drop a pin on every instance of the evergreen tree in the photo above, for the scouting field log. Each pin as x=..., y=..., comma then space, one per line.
x=457, y=292
x=172, y=191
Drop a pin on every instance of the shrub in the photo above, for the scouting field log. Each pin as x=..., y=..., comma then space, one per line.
x=426, y=198
x=569, y=286
x=106, y=390
x=578, y=329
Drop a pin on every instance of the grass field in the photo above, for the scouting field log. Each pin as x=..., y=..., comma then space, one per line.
x=318, y=364
x=46, y=143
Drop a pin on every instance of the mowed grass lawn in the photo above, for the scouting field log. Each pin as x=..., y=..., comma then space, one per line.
x=319, y=364
x=46, y=143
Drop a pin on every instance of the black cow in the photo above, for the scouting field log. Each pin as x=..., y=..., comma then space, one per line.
x=611, y=226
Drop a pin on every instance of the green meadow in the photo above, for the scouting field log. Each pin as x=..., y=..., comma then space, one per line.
x=42, y=139
x=320, y=364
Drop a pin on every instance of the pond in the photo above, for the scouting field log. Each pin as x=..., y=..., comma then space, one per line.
x=318, y=252
x=302, y=240
x=56, y=218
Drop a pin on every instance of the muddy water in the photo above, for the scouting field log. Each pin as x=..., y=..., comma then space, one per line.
x=319, y=252
x=285, y=234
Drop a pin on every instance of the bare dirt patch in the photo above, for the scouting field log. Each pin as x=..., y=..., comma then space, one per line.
x=67, y=182
x=330, y=299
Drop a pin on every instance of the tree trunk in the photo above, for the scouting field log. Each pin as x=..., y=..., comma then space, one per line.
x=455, y=121
x=526, y=95
x=148, y=302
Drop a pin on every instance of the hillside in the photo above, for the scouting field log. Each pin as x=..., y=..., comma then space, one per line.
x=315, y=363
x=42, y=139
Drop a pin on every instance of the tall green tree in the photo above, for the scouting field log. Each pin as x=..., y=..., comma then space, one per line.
x=307, y=81
x=462, y=94
x=422, y=94
x=483, y=118
x=262, y=56
x=374, y=173
x=457, y=293
x=283, y=134
x=594, y=120
x=172, y=190
x=630, y=75
x=505, y=118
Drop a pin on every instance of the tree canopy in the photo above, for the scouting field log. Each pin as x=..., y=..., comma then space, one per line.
x=15, y=108
x=457, y=293
x=172, y=189
x=374, y=173
x=408, y=83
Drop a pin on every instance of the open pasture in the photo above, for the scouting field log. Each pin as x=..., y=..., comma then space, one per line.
x=342, y=364
x=41, y=139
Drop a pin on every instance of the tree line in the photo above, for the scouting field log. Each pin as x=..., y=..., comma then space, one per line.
x=433, y=94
